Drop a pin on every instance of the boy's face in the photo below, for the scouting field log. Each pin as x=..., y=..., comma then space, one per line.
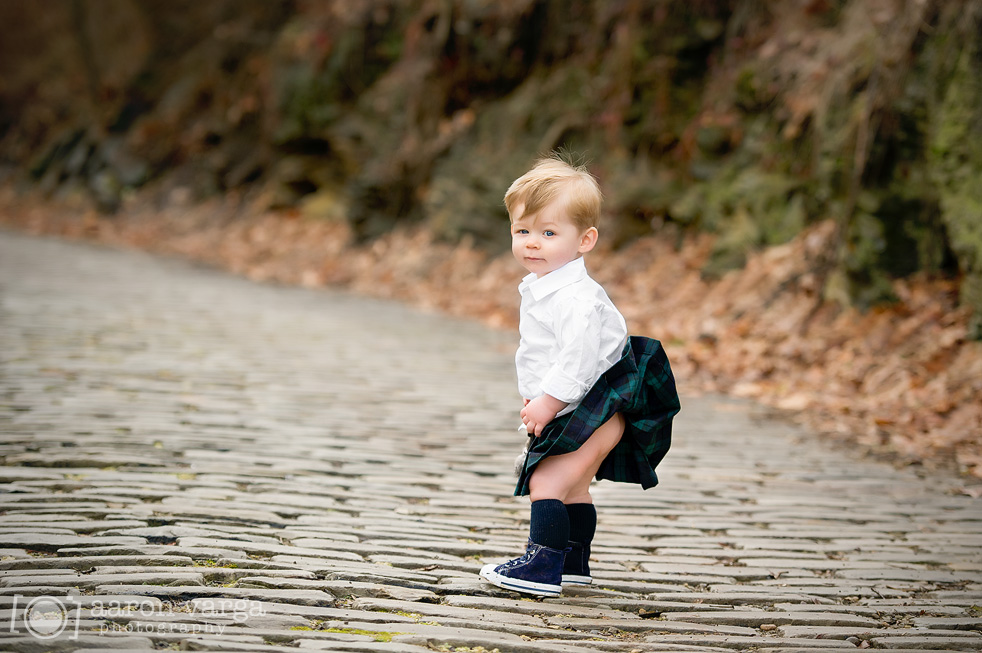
x=548, y=240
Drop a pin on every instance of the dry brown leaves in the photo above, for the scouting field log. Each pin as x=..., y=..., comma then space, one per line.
x=901, y=381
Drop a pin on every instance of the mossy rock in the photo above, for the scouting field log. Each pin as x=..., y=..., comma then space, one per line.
x=748, y=207
x=956, y=157
x=466, y=191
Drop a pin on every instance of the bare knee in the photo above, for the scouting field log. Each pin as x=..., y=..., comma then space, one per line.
x=564, y=488
x=567, y=477
x=580, y=494
x=551, y=480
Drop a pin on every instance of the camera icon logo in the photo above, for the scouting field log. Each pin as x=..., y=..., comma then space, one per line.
x=45, y=617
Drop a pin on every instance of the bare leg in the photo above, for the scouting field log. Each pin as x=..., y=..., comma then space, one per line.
x=567, y=477
x=542, y=570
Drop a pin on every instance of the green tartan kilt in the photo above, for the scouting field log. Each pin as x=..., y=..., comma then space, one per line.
x=640, y=387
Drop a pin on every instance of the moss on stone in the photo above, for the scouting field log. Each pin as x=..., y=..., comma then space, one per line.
x=748, y=208
x=377, y=635
x=956, y=157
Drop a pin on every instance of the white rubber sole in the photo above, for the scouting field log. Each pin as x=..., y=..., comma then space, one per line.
x=526, y=587
x=569, y=579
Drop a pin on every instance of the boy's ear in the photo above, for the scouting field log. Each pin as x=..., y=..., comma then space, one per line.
x=588, y=240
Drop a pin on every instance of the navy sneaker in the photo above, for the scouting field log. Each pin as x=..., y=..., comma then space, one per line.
x=539, y=572
x=576, y=566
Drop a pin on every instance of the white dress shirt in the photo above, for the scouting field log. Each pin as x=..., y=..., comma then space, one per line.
x=571, y=333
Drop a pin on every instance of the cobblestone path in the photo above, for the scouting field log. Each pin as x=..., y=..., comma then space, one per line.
x=194, y=461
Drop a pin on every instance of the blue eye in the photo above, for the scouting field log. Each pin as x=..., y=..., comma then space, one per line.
x=550, y=232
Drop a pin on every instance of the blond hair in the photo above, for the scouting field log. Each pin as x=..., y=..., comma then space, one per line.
x=554, y=177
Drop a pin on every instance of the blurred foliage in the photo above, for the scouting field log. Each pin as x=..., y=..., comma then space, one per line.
x=955, y=158
x=748, y=119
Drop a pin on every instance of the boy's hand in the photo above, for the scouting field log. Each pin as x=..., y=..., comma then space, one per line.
x=539, y=412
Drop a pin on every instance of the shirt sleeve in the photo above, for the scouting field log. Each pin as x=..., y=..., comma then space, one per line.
x=578, y=331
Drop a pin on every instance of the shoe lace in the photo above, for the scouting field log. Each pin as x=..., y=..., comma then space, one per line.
x=521, y=560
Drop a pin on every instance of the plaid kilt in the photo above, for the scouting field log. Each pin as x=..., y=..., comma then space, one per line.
x=641, y=387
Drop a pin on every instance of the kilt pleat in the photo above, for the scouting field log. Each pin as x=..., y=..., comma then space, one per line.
x=641, y=387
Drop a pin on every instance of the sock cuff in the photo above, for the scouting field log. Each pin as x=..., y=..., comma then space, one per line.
x=581, y=509
x=549, y=523
x=582, y=522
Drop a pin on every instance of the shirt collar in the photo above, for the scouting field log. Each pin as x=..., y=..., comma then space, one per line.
x=544, y=286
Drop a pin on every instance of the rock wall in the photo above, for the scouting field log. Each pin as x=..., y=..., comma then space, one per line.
x=748, y=120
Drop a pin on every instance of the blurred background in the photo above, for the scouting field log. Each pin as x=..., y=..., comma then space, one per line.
x=793, y=188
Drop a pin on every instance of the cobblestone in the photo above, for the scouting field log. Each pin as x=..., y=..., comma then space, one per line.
x=194, y=461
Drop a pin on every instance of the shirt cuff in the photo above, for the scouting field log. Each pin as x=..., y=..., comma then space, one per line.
x=562, y=386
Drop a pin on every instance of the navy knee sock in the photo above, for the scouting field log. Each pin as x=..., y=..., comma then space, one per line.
x=582, y=522
x=549, y=524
